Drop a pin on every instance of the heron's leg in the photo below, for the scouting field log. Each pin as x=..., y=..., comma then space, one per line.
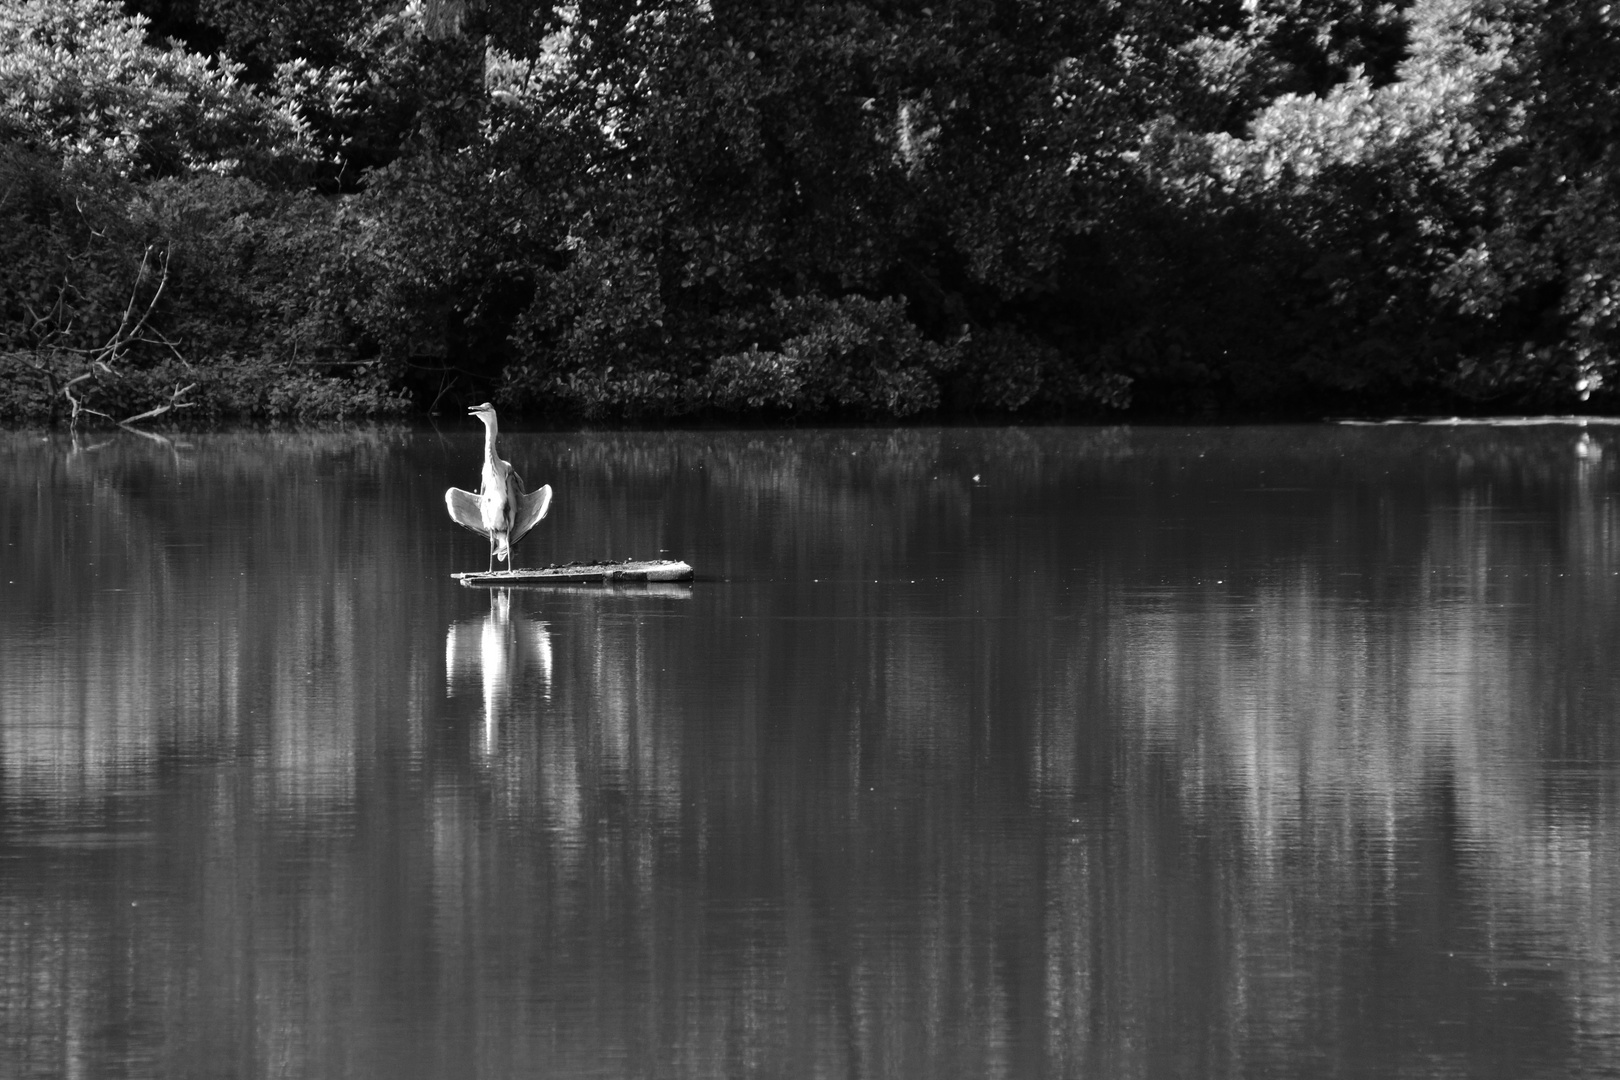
x=492, y=554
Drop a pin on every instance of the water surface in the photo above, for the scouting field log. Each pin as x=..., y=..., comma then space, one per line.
x=1248, y=752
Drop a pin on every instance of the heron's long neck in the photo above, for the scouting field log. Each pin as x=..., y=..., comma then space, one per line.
x=489, y=440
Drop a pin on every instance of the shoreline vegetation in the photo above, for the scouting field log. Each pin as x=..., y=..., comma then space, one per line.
x=704, y=212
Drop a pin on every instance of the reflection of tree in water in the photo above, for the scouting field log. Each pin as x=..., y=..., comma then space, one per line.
x=1010, y=822
x=162, y=589
x=1353, y=748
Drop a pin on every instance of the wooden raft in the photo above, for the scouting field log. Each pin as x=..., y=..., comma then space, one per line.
x=607, y=573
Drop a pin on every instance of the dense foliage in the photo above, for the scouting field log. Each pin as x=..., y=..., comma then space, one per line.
x=783, y=208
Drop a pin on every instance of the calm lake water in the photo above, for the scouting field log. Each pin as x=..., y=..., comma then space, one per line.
x=1098, y=752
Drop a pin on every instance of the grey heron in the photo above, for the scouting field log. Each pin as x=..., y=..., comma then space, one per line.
x=501, y=510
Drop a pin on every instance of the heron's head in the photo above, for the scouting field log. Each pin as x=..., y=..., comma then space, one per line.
x=483, y=412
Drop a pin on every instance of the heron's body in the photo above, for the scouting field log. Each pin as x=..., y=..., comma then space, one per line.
x=501, y=510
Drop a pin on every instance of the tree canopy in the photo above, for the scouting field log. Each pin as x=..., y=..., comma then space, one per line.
x=658, y=209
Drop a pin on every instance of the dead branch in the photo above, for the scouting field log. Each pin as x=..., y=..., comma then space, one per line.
x=174, y=402
x=125, y=333
x=444, y=388
x=159, y=338
x=97, y=362
x=77, y=405
x=26, y=359
x=134, y=292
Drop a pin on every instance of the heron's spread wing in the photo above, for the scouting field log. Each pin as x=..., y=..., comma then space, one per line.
x=463, y=506
x=532, y=508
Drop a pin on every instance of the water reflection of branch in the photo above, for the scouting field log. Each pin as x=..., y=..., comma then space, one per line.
x=499, y=648
x=77, y=448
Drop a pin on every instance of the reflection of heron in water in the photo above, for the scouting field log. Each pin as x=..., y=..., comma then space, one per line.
x=497, y=648
x=500, y=510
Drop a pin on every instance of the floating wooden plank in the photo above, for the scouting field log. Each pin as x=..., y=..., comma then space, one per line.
x=634, y=590
x=608, y=573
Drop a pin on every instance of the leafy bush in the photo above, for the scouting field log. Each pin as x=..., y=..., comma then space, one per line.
x=849, y=356
x=1544, y=271
x=79, y=81
x=210, y=282
x=1003, y=371
x=1331, y=224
